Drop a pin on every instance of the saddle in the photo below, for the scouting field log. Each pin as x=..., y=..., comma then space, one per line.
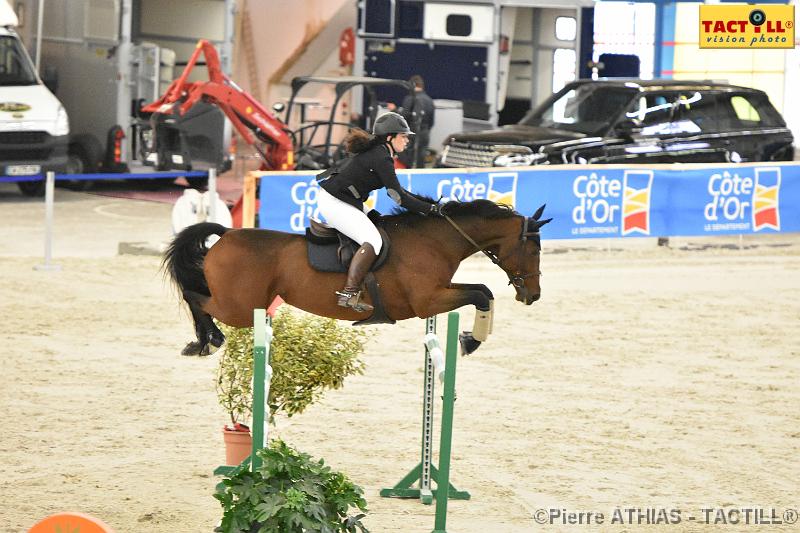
x=331, y=251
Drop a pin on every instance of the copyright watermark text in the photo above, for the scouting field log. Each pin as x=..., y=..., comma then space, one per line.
x=755, y=516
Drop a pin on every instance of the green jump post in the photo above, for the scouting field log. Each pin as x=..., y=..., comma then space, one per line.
x=262, y=375
x=425, y=472
x=446, y=435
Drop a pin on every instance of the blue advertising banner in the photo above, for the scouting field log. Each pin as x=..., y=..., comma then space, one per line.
x=587, y=201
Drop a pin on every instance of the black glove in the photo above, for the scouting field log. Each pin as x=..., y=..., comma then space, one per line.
x=374, y=217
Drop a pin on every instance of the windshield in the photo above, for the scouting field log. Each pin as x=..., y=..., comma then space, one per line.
x=587, y=108
x=15, y=67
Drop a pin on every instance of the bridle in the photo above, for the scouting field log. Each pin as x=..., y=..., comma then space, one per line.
x=517, y=279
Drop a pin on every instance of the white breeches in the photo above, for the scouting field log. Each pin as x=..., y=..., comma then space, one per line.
x=349, y=220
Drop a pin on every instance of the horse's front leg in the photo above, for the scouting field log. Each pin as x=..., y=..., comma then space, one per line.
x=458, y=295
x=483, y=321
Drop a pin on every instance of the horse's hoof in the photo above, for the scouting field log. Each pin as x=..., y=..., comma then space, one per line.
x=217, y=339
x=210, y=348
x=468, y=343
x=193, y=348
x=215, y=342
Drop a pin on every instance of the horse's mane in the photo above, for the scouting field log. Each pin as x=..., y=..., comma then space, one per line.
x=481, y=208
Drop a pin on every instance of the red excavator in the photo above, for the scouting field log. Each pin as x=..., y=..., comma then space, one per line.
x=312, y=145
x=257, y=126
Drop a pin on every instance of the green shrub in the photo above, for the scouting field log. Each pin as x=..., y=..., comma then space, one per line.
x=309, y=354
x=290, y=493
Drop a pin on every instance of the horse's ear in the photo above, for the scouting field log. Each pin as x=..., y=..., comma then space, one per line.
x=540, y=223
x=538, y=212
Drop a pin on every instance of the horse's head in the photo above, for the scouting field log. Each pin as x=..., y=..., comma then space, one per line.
x=509, y=239
x=519, y=258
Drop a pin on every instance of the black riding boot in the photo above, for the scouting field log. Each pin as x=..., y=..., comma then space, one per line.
x=359, y=267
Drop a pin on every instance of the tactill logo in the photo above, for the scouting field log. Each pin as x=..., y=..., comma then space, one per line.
x=746, y=26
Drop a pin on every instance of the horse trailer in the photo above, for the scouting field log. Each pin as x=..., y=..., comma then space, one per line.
x=495, y=59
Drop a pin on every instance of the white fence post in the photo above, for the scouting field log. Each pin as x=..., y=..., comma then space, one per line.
x=212, y=193
x=49, y=193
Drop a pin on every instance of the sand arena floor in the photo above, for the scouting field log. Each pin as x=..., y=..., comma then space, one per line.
x=646, y=377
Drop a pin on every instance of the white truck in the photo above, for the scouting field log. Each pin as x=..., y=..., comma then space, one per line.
x=34, y=128
x=106, y=58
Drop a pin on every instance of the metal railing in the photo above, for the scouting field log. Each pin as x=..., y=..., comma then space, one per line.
x=49, y=196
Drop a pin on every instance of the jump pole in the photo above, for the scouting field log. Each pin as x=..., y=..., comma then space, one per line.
x=425, y=471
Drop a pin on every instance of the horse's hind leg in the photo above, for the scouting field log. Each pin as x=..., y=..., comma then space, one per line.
x=209, y=337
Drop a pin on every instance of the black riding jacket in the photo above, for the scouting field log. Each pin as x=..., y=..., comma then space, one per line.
x=352, y=179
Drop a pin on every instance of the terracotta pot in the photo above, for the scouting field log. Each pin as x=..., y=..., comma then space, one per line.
x=238, y=445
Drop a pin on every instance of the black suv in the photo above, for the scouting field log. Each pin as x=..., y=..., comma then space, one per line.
x=626, y=121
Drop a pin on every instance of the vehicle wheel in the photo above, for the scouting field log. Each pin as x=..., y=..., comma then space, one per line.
x=84, y=155
x=32, y=188
x=77, y=164
x=198, y=183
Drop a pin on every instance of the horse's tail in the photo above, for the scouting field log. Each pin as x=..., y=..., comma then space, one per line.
x=183, y=260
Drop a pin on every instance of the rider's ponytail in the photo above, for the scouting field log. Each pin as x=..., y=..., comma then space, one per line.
x=358, y=141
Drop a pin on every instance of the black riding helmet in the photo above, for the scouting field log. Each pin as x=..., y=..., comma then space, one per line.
x=390, y=124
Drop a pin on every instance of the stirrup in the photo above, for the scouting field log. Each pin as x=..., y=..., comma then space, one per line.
x=352, y=299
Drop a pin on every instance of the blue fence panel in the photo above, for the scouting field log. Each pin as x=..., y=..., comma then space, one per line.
x=587, y=201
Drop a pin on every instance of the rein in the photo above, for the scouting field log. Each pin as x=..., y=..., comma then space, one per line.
x=518, y=279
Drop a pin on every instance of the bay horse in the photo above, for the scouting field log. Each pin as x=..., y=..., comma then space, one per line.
x=247, y=268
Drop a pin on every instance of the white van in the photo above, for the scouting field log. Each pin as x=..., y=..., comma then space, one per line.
x=34, y=128
x=110, y=57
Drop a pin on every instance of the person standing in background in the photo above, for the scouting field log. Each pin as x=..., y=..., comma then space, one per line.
x=419, y=111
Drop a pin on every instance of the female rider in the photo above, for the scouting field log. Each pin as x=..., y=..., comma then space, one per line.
x=345, y=187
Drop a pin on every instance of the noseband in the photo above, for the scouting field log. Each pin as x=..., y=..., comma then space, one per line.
x=519, y=277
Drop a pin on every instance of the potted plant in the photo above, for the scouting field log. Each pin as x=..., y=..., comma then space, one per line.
x=234, y=391
x=308, y=355
x=290, y=493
